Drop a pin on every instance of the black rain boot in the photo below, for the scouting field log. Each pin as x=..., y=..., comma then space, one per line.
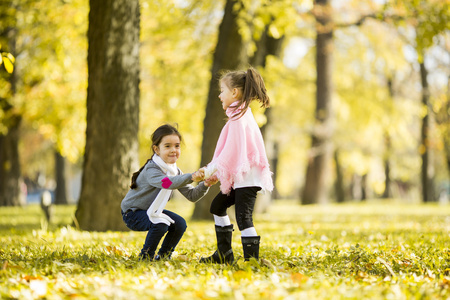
x=164, y=256
x=145, y=256
x=224, y=252
x=250, y=245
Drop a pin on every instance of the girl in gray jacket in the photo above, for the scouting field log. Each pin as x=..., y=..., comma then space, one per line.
x=152, y=186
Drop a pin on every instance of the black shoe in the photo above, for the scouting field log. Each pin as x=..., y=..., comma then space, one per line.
x=144, y=256
x=224, y=253
x=250, y=245
x=163, y=256
x=216, y=258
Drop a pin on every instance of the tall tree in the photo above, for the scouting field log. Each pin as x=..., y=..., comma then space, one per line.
x=112, y=112
x=426, y=153
x=339, y=183
x=268, y=45
x=429, y=19
x=316, y=185
x=49, y=71
x=387, y=155
x=230, y=53
x=11, y=119
x=61, y=193
x=443, y=119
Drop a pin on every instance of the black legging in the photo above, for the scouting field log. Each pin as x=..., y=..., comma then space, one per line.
x=243, y=198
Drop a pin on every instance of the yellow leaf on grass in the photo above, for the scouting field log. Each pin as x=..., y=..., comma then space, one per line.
x=445, y=283
x=299, y=278
x=7, y=265
x=239, y=275
x=114, y=250
x=30, y=278
x=183, y=257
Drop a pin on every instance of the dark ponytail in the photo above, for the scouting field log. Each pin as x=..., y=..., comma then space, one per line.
x=157, y=136
x=135, y=176
x=252, y=86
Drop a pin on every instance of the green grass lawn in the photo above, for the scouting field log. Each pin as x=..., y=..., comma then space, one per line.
x=377, y=250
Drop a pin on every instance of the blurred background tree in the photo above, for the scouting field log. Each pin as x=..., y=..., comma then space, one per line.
x=11, y=118
x=45, y=95
x=429, y=20
x=381, y=134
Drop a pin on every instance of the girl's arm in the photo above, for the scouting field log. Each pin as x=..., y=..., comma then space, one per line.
x=194, y=194
x=158, y=179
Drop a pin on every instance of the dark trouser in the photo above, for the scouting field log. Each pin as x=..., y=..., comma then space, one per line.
x=244, y=200
x=139, y=221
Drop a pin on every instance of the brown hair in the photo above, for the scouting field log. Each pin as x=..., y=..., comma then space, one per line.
x=251, y=85
x=157, y=136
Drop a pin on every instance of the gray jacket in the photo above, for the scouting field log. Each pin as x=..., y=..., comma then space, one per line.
x=149, y=185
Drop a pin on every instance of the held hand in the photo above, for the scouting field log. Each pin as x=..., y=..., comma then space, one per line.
x=208, y=171
x=211, y=180
x=197, y=176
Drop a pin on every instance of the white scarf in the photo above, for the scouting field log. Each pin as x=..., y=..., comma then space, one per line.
x=155, y=211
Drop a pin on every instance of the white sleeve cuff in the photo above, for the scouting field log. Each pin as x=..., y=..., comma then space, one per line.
x=210, y=170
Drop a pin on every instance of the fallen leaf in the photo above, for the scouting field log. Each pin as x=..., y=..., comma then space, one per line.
x=299, y=278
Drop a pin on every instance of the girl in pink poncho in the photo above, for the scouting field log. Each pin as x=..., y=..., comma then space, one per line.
x=240, y=163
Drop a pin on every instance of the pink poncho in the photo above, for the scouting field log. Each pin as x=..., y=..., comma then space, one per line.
x=239, y=148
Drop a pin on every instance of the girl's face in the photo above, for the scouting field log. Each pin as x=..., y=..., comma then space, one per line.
x=169, y=149
x=228, y=96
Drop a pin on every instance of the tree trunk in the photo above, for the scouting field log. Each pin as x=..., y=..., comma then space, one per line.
x=446, y=122
x=272, y=153
x=317, y=174
x=60, y=176
x=9, y=142
x=266, y=46
x=111, y=153
x=364, y=188
x=387, y=174
x=230, y=54
x=443, y=119
x=425, y=151
x=388, y=150
x=10, y=166
x=339, y=184
x=356, y=187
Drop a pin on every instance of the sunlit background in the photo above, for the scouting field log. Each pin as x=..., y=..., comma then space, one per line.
x=377, y=90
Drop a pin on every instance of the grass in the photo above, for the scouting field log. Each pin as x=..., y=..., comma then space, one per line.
x=376, y=250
